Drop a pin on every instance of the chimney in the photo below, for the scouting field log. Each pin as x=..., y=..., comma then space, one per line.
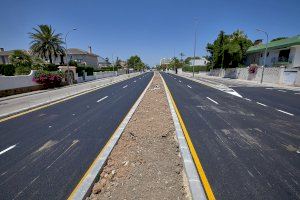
x=258, y=42
x=1, y=49
x=90, y=49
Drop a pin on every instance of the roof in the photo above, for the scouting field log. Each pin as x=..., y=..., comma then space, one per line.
x=80, y=52
x=276, y=44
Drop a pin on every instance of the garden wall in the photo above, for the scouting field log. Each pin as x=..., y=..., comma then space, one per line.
x=11, y=82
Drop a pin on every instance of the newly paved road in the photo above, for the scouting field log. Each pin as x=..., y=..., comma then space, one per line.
x=248, y=150
x=44, y=154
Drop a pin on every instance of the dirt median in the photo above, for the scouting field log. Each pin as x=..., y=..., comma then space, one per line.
x=146, y=162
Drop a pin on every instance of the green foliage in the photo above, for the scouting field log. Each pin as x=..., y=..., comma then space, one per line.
x=89, y=70
x=136, y=63
x=22, y=62
x=51, y=67
x=228, y=50
x=73, y=63
x=105, y=69
x=175, y=64
x=45, y=43
x=196, y=68
x=38, y=63
x=22, y=70
x=7, y=70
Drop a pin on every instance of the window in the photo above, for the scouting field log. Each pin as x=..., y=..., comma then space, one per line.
x=284, y=55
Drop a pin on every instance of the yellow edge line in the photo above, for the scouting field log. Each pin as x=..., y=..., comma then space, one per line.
x=101, y=152
x=53, y=103
x=204, y=180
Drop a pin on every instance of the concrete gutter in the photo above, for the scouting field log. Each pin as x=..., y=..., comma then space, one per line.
x=195, y=184
x=84, y=187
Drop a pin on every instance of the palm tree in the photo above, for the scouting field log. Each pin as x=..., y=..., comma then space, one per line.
x=45, y=43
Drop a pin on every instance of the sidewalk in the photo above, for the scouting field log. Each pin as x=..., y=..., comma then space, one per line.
x=238, y=82
x=146, y=162
x=19, y=103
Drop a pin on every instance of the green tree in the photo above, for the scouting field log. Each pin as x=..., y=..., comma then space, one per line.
x=136, y=63
x=22, y=62
x=175, y=64
x=228, y=50
x=45, y=42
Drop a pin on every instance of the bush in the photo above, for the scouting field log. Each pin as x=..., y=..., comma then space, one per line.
x=22, y=70
x=105, y=69
x=48, y=79
x=89, y=70
x=196, y=68
x=7, y=70
x=252, y=69
x=51, y=67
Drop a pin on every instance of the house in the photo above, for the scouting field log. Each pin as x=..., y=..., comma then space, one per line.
x=199, y=62
x=103, y=62
x=4, y=56
x=285, y=52
x=165, y=61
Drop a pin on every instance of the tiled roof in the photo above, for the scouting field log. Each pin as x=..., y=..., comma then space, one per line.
x=276, y=44
x=79, y=52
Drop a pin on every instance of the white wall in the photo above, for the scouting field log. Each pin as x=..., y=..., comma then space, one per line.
x=296, y=61
x=12, y=82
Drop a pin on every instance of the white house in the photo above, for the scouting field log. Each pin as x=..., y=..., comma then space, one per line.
x=285, y=52
x=199, y=62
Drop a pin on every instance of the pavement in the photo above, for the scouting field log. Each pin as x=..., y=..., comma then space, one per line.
x=248, y=147
x=44, y=153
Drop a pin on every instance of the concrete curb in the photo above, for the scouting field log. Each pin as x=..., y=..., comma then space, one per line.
x=195, y=184
x=60, y=99
x=84, y=187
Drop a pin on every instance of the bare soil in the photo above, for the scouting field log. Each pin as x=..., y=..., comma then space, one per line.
x=146, y=162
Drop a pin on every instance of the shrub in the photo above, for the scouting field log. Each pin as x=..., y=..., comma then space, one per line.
x=89, y=70
x=7, y=70
x=22, y=70
x=48, y=79
x=252, y=69
x=105, y=69
x=51, y=67
x=196, y=68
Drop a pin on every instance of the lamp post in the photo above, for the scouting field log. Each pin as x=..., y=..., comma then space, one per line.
x=66, y=51
x=195, y=44
x=265, y=54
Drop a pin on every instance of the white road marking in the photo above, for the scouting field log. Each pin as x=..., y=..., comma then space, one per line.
x=174, y=78
x=189, y=86
x=212, y=100
x=285, y=112
x=281, y=90
x=179, y=81
x=134, y=81
x=297, y=93
x=7, y=149
x=269, y=88
x=247, y=99
x=102, y=99
x=261, y=104
x=125, y=86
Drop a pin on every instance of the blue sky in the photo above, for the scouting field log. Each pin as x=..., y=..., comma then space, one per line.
x=149, y=28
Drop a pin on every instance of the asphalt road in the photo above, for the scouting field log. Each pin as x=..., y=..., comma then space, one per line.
x=45, y=153
x=247, y=150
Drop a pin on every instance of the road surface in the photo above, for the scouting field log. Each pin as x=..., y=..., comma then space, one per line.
x=44, y=154
x=248, y=149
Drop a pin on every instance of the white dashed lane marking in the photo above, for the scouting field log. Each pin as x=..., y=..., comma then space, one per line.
x=189, y=86
x=212, y=100
x=261, y=104
x=247, y=99
x=102, y=99
x=125, y=86
x=285, y=112
x=7, y=149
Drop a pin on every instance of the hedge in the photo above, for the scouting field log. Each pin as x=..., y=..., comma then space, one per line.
x=196, y=68
x=89, y=70
x=7, y=69
x=105, y=69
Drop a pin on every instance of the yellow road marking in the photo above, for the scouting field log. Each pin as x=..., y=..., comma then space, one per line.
x=204, y=180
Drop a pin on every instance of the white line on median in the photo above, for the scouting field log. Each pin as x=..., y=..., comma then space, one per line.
x=189, y=86
x=9, y=148
x=261, y=104
x=247, y=99
x=285, y=112
x=102, y=99
x=212, y=100
x=125, y=86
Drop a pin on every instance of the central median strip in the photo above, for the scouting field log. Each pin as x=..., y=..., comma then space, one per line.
x=146, y=162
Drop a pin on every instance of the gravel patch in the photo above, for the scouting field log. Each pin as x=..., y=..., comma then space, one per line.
x=146, y=162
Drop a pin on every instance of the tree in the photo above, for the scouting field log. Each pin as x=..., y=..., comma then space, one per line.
x=188, y=59
x=45, y=43
x=136, y=63
x=175, y=64
x=22, y=62
x=228, y=50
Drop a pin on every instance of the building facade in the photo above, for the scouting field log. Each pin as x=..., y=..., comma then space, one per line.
x=285, y=52
x=199, y=62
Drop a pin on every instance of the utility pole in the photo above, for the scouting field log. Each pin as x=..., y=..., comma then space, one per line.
x=265, y=54
x=66, y=51
x=195, y=44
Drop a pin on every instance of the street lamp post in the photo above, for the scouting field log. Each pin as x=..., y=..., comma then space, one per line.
x=66, y=51
x=195, y=44
x=265, y=54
